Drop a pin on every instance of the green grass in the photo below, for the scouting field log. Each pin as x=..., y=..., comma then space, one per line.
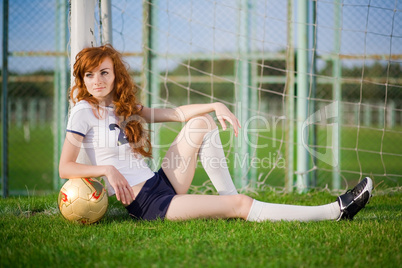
x=31, y=160
x=34, y=234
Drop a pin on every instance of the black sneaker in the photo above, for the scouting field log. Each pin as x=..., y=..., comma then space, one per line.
x=354, y=200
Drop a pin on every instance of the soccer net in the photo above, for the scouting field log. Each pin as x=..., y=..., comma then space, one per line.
x=316, y=84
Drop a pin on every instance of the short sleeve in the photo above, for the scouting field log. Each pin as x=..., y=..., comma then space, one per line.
x=79, y=119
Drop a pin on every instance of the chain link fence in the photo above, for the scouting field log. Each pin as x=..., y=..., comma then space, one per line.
x=198, y=56
x=31, y=86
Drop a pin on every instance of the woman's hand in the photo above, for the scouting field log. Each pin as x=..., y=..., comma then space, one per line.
x=224, y=114
x=124, y=192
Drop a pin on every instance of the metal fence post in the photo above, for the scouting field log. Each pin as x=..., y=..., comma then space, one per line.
x=337, y=97
x=243, y=84
x=4, y=113
x=290, y=101
x=60, y=87
x=150, y=79
x=302, y=102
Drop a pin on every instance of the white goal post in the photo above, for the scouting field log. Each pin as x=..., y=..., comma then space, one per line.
x=83, y=35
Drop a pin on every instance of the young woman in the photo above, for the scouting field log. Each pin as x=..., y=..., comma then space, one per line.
x=107, y=120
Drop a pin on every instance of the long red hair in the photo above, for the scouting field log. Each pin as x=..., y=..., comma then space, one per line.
x=126, y=106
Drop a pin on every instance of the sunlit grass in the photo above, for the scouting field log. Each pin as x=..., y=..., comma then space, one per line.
x=34, y=234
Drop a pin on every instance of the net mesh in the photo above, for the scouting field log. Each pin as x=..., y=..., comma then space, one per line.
x=205, y=51
x=198, y=49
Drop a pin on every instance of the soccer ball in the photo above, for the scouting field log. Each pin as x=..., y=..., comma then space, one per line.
x=83, y=200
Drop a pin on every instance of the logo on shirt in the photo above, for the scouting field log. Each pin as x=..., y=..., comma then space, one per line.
x=122, y=137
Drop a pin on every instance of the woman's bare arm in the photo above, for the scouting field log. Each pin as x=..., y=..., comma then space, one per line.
x=186, y=112
x=70, y=169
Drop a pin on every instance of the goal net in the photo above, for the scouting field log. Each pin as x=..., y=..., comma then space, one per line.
x=315, y=84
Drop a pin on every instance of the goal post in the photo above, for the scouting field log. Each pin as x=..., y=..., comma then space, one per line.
x=83, y=32
x=106, y=21
x=82, y=35
x=82, y=28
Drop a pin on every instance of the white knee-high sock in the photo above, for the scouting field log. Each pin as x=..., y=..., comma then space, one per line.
x=261, y=211
x=214, y=162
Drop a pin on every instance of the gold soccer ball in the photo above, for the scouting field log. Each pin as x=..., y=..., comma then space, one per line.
x=83, y=200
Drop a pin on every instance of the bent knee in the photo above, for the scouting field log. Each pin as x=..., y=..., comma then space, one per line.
x=204, y=121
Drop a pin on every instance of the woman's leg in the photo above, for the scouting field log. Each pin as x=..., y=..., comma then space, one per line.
x=179, y=166
x=345, y=207
x=180, y=160
x=261, y=211
x=213, y=160
x=185, y=207
x=199, y=137
x=241, y=206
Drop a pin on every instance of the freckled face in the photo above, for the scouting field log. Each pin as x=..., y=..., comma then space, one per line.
x=100, y=81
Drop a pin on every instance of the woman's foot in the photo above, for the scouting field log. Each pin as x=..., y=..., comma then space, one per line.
x=354, y=200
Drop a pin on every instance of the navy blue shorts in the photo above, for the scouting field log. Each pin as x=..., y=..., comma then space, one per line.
x=153, y=201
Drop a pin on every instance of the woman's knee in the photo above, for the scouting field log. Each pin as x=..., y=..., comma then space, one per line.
x=205, y=122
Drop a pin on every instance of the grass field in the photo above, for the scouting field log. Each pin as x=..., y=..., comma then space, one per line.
x=34, y=234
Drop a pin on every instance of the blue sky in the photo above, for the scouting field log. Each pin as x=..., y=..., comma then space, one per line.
x=206, y=26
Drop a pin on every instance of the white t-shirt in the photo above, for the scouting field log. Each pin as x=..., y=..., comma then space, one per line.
x=106, y=144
